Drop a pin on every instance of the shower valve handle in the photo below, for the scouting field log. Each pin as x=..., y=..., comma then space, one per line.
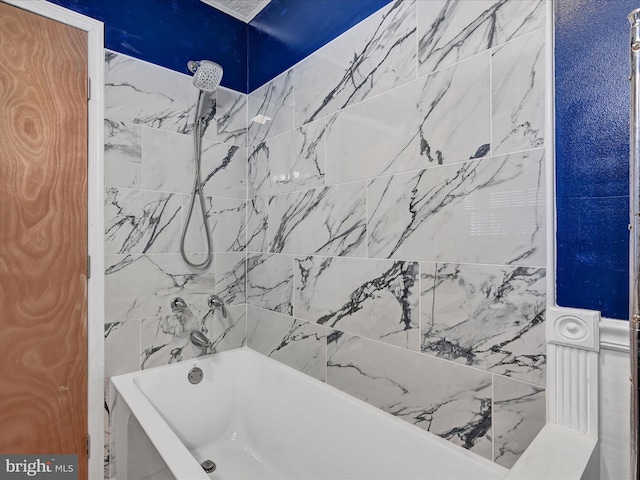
x=216, y=302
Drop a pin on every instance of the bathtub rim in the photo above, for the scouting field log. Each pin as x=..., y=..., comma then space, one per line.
x=176, y=455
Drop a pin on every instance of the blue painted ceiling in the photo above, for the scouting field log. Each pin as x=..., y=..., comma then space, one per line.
x=171, y=32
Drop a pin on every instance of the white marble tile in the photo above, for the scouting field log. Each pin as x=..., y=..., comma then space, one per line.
x=231, y=278
x=324, y=221
x=450, y=400
x=138, y=286
x=195, y=239
x=121, y=347
x=166, y=339
x=270, y=109
x=377, y=54
x=518, y=415
x=491, y=317
x=258, y=181
x=141, y=222
x=226, y=218
x=299, y=344
x=257, y=225
x=376, y=299
x=518, y=89
x=169, y=166
x=230, y=118
x=482, y=211
x=168, y=163
x=377, y=136
x=141, y=93
x=440, y=119
x=225, y=333
x=122, y=155
x=270, y=282
x=224, y=170
x=138, y=92
x=450, y=31
x=292, y=161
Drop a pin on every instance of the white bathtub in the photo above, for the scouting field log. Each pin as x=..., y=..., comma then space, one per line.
x=258, y=419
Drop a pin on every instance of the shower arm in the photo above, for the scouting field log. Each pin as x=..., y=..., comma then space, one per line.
x=634, y=237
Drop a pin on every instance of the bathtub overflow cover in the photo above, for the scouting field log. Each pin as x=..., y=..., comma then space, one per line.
x=195, y=376
x=208, y=466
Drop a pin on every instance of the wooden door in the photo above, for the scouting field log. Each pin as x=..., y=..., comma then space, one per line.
x=43, y=236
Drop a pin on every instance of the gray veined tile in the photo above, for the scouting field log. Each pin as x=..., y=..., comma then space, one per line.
x=444, y=398
x=138, y=286
x=225, y=333
x=518, y=92
x=518, y=416
x=141, y=93
x=292, y=161
x=141, y=221
x=138, y=92
x=166, y=339
x=440, y=119
x=270, y=282
x=169, y=165
x=224, y=169
x=270, y=109
x=230, y=118
x=122, y=155
x=296, y=343
x=376, y=299
x=324, y=221
x=231, y=278
x=226, y=221
x=454, y=112
x=195, y=239
x=258, y=224
x=482, y=211
x=491, y=317
x=450, y=31
x=370, y=58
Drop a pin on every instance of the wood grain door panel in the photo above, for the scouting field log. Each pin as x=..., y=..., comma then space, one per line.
x=43, y=236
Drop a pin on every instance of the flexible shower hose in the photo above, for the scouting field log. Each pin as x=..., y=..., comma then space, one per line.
x=197, y=190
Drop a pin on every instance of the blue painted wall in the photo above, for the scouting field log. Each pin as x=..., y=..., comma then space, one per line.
x=592, y=154
x=287, y=31
x=171, y=32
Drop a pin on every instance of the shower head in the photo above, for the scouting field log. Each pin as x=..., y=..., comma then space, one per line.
x=206, y=75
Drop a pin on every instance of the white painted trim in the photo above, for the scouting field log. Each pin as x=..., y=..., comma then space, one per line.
x=95, y=326
x=573, y=369
x=550, y=148
x=614, y=335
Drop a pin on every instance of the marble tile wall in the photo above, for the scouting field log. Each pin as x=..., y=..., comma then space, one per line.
x=149, y=171
x=396, y=218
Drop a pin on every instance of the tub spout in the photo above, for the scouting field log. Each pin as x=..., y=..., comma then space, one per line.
x=200, y=341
